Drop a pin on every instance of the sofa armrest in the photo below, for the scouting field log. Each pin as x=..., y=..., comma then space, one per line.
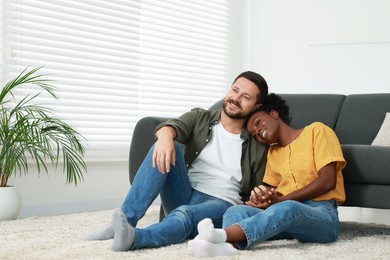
x=142, y=140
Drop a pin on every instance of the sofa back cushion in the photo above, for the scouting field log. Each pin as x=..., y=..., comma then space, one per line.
x=217, y=106
x=361, y=117
x=308, y=108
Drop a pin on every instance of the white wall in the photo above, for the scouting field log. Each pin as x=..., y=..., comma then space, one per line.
x=104, y=187
x=279, y=50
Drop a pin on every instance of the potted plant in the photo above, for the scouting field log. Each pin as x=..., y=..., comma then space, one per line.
x=31, y=133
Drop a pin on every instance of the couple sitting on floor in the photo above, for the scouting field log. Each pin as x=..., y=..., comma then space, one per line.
x=223, y=180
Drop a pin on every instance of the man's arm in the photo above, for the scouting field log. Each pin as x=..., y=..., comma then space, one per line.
x=164, y=151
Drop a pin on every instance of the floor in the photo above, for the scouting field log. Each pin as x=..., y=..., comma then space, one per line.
x=365, y=215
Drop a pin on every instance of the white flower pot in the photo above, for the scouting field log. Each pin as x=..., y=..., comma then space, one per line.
x=10, y=203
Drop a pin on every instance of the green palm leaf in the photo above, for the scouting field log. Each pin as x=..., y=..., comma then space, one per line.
x=32, y=132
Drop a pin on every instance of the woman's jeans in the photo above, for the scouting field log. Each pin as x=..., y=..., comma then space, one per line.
x=183, y=206
x=308, y=221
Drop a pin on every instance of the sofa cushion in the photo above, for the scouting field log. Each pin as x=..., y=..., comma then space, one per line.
x=217, y=106
x=366, y=164
x=361, y=116
x=308, y=108
x=383, y=136
x=367, y=195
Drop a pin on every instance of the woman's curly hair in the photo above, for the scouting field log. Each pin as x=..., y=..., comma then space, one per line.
x=278, y=104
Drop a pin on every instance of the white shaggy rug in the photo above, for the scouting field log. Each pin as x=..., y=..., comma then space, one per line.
x=63, y=237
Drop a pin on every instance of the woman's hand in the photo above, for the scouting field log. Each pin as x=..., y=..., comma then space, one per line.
x=262, y=197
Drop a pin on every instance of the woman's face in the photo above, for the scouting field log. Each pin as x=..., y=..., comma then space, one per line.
x=264, y=127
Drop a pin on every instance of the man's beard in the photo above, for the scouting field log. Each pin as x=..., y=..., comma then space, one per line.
x=237, y=115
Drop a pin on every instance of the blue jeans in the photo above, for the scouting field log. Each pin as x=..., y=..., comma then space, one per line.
x=183, y=206
x=308, y=221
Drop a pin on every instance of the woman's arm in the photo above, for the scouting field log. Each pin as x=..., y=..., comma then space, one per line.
x=264, y=196
x=325, y=182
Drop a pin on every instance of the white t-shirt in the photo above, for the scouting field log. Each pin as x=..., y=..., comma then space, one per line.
x=217, y=169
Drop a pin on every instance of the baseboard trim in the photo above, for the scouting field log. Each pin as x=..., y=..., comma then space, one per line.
x=72, y=207
x=68, y=208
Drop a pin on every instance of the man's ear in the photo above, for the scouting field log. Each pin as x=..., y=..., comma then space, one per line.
x=257, y=106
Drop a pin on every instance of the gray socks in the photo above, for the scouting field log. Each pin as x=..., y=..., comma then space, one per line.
x=106, y=233
x=119, y=230
x=123, y=233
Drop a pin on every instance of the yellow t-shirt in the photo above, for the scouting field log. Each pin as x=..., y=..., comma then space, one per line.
x=296, y=165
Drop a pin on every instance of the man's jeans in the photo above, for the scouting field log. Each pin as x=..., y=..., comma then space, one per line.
x=184, y=207
x=308, y=221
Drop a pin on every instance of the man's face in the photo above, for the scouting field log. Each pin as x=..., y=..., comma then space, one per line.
x=240, y=101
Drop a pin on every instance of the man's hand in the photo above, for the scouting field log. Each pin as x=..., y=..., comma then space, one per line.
x=164, y=150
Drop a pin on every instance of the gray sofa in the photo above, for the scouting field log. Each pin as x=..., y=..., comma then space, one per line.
x=356, y=120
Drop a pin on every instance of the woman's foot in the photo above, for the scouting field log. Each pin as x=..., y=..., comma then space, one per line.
x=207, y=232
x=204, y=248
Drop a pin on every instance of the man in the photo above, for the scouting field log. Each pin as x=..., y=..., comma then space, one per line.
x=221, y=165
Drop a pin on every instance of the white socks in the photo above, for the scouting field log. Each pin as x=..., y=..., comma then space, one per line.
x=207, y=232
x=204, y=248
x=210, y=241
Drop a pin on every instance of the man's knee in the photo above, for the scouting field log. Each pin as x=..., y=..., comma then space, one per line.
x=184, y=215
x=178, y=147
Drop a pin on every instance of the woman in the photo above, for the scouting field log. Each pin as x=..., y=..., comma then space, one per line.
x=303, y=188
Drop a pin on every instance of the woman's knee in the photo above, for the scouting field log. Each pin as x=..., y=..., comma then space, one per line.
x=290, y=206
x=236, y=214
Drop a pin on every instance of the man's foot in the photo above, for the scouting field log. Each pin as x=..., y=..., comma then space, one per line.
x=207, y=232
x=106, y=233
x=203, y=248
x=123, y=233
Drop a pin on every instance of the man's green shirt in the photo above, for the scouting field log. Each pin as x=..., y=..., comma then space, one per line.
x=194, y=130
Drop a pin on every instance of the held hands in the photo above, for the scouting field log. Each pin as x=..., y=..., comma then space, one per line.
x=262, y=197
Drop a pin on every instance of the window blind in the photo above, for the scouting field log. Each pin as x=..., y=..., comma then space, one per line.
x=117, y=61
